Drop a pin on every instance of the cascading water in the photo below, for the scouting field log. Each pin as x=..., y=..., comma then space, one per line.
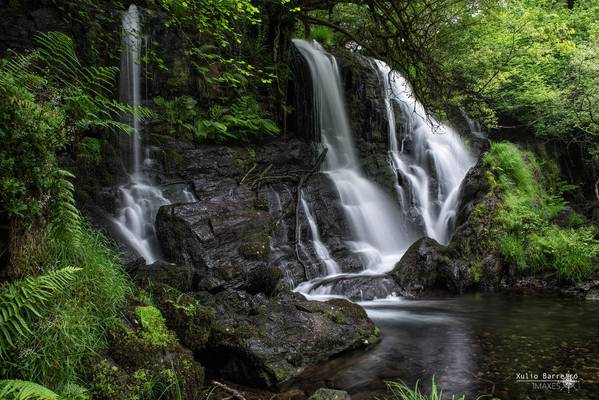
x=139, y=199
x=429, y=166
x=430, y=173
x=375, y=219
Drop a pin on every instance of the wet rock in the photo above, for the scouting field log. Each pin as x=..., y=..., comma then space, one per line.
x=427, y=267
x=223, y=237
x=366, y=288
x=473, y=190
x=264, y=279
x=592, y=295
x=180, y=277
x=329, y=394
x=265, y=342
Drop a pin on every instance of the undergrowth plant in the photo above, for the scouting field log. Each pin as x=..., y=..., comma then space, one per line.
x=400, y=391
x=531, y=197
x=241, y=121
x=24, y=301
x=73, y=328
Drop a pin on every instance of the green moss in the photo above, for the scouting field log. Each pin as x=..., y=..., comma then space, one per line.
x=335, y=316
x=154, y=327
x=280, y=375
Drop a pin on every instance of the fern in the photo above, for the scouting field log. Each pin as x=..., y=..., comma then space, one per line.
x=14, y=389
x=66, y=220
x=54, y=67
x=22, y=301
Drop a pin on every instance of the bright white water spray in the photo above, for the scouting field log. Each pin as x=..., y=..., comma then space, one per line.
x=429, y=163
x=139, y=199
x=379, y=236
x=430, y=173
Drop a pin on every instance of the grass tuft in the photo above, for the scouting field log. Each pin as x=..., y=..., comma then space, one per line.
x=400, y=391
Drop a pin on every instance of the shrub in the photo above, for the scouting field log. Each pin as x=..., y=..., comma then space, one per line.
x=242, y=121
x=572, y=252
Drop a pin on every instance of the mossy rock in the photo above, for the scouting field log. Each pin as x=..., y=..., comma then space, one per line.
x=144, y=360
x=191, y=320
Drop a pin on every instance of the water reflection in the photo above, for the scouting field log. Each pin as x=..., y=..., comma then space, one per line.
x=473, y=345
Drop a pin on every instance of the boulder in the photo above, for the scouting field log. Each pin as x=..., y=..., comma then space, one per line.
x=192, y=321
x=144, y=360
x=223, y=237
x=180, y=277
x=428, y=267
x=265, y=342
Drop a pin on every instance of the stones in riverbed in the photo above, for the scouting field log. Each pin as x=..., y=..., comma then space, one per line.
x=329, y=394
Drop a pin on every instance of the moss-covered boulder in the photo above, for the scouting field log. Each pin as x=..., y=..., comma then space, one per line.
x=144, y=360
x=265, y=342
x=192, y=321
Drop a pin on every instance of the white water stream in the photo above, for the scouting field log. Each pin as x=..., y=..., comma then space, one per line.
x=139, y=199
x=428, y=176
x=374, y=218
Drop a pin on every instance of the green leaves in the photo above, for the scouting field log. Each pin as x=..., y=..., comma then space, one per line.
x=242, y=121
x=66, y=220
x=22, y=301
x=15, y=389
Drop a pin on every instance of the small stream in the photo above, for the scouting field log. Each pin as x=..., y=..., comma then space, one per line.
x=473, y=345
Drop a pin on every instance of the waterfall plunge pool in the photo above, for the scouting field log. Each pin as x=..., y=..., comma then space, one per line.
x=473, y=344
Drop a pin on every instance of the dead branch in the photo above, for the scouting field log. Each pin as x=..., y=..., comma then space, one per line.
x=234, y=393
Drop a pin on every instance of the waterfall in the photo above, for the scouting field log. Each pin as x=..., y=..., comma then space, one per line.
x=139, y=199
x=379, y=236
x=429, y=174
x=429, y=161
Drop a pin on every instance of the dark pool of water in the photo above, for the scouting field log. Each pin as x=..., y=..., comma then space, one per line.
x=474, y=345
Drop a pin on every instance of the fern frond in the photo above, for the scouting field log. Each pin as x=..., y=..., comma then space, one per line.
x=66, y=219
x=58, y=50
x=23, y=300
x=14, y=389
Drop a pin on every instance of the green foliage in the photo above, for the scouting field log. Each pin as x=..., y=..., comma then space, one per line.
x=529, y=202
x=242, y=121
x=400, y=391
x=90, y=149
x=23, y=301
x=15, y=389
x=535, y=62
x=153, y=325
x=574, y=253
x=66, y=221
x=215, y=18
x=323, y=35
x=47, y=100
x=73, y=329
x=24, y=390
